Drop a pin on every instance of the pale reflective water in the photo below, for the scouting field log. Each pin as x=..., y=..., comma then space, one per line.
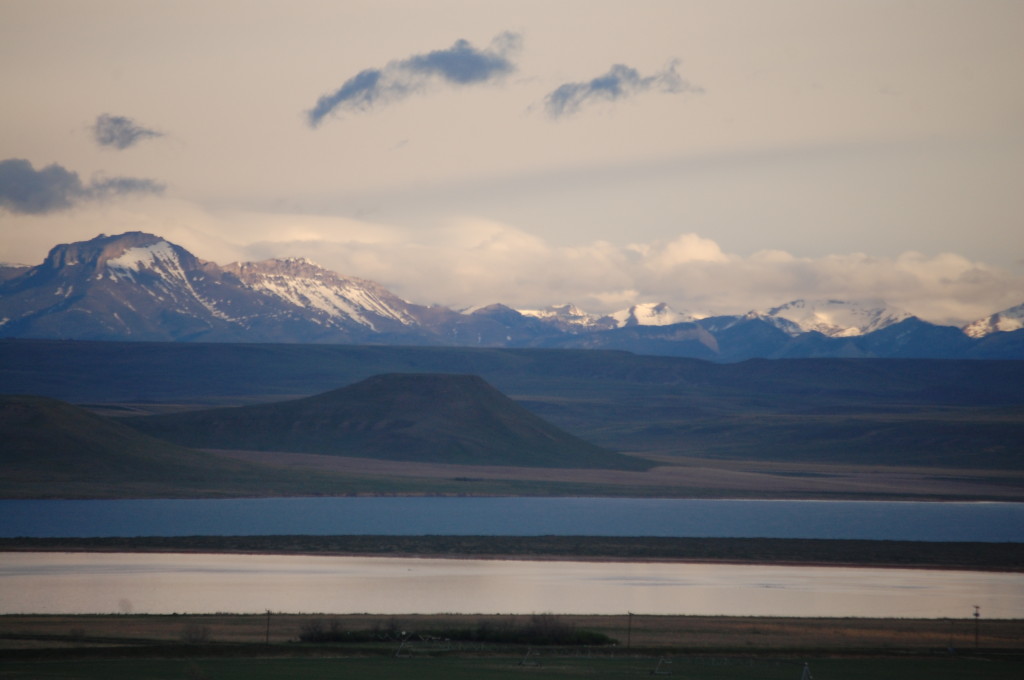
x=189, y=583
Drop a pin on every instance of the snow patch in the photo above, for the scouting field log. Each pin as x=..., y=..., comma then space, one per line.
x=568, y=314
x=339, y=300
x=161, y=259
x=650, y=314
x=834, y=318
x=1006, y=321
x=158, y=257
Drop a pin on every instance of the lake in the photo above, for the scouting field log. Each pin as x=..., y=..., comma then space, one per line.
x=79, y=583
x=991, y=522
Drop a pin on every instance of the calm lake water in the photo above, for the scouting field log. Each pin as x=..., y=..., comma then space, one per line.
x=992, y=522
x=168, y=583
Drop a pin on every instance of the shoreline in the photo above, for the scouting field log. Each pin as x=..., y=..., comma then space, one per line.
x=973, y=556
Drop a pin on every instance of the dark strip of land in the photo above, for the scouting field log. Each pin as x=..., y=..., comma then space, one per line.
x=899, y=554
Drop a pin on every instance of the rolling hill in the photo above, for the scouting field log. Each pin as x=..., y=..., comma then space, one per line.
x=422, y=417
x=891, y=412
x=54, y=449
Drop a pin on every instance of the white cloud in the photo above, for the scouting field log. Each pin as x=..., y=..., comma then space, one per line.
x=684, y=249
x=470, y=261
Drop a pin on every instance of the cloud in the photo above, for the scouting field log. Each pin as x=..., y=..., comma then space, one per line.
x=620, y=82
x=471, y=261
x=23, y=189
x=117, y=186
x=460, y=64
x=120, y=132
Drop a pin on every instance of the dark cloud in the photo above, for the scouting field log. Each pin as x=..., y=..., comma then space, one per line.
x=620, y=82
x=23, y=189
x=461, y=64
x=117, y=186
x=120, y=132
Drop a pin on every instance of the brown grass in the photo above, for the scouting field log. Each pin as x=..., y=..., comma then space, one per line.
x=681, y=633
x=694, y=477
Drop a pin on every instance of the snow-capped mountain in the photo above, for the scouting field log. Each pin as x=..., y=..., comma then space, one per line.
x=138, y=286
x=651, y=314
x=328, y=297
x=1006, y=321
x=833, y=318
x=570, y=318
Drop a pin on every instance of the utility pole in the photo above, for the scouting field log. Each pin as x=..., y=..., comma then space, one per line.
x=629, y=631
x=977, y=615
x=268, y=627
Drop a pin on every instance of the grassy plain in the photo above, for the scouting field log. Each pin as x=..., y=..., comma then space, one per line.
x=86, y=647
x=672, y=476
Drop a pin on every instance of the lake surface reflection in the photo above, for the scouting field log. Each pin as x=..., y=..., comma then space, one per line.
x=881, y=520
x=188, y=583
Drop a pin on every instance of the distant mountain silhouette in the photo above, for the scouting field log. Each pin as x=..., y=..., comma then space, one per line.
x=437, y=418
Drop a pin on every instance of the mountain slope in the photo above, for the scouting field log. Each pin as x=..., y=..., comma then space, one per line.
x=139, y=286
x=134, y=285
x=823, y=410
x=1006, y=321
x=835, y=318
x=51, y=448
x=415, y=417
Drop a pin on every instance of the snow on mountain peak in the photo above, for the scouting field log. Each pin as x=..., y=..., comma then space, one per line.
x=650, y=314
x=567, y=315
x=643, y=314
x=1008, y=320
x=836, y=318
x=159, y=256
x=303, y=283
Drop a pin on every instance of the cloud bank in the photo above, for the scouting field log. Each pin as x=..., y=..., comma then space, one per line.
x=119, y=132
x=461, y=64
x=619, y=82
x=23, y=189
x=474, y=262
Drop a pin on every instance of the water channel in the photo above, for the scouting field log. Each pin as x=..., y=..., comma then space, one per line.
x=523, y=516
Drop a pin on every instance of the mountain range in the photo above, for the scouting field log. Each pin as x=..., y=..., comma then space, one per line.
x=138, y=286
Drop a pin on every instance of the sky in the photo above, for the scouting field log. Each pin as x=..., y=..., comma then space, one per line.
x=718, y=155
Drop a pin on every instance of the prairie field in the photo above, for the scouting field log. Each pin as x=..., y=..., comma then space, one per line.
x=266, y=646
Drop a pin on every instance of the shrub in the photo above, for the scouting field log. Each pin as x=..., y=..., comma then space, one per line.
x=194, y=633
x=542, y=629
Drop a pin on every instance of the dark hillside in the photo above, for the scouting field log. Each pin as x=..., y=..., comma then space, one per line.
x=53, y=449
x=422, y=417
x=960, y=413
